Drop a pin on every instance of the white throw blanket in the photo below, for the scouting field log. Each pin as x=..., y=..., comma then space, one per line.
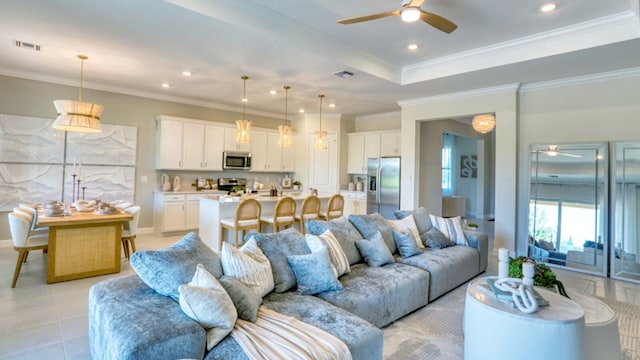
x=277, y=336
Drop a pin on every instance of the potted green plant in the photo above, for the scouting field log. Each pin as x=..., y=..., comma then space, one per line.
x=543, y=276
x=296, y=185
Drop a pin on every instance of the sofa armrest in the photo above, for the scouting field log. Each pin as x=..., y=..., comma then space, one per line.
x=130, y=321
x=479, y=241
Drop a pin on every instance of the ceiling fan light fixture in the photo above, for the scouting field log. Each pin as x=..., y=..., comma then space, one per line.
x=78, y=116
x=410, y=14
x=243, y=125
x=484, y=123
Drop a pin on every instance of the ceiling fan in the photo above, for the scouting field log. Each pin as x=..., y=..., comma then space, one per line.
x=409, y=12
x=553, y=151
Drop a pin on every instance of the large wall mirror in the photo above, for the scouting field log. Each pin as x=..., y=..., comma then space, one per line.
x=568, y=206
x=625, y=217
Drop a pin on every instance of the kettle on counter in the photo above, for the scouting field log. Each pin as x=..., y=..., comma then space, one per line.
x=177, y=183
x=165, y=182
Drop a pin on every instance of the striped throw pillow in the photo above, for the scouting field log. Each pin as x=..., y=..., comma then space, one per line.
x=451, y=228
x=337, y=256
x=249, y=265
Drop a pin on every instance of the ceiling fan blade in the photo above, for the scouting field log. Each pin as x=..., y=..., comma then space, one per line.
x=438, y=22
x=369, y=17
x=414, y=3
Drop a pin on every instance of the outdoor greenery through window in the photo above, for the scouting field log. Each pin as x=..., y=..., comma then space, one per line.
x=548, y=219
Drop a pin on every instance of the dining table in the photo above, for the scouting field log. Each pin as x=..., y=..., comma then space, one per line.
x=83, y=244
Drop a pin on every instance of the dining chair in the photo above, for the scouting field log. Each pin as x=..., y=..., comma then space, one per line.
x=34, y=217
x=19, y=225
x=284, y=214
x=335, y=208
x=310, y=209
x=247, y=217
x=129, y=229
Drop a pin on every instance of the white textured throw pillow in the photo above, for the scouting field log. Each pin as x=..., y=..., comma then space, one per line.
x=249, y=265
x=337, y=256
x=408, y=223
x=451, y=228
x=205, y=301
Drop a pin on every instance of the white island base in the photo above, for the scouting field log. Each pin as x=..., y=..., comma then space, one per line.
x=213, y=209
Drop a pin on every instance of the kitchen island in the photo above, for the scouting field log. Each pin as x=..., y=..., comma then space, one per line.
x=214, y=208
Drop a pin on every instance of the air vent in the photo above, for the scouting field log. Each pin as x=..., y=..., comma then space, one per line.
x=28, y=46
x=344, y=74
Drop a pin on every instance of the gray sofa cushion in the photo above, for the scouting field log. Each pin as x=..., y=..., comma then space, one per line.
x=420, y=215
x=166, y=269
x=374, y=251
x=435, y=239
x=370, y=224
x=448, y=267
x=277, y=246
x=406, y=243
x=130, y=321
x=381, y=295
x=344, y=232
x=364, y=340
x=314, y=272
x=244, y=299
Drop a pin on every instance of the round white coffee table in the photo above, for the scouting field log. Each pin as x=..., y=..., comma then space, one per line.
x=495, y=330
x=602, y=337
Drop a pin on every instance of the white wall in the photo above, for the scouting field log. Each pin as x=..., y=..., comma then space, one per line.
x=377, y=122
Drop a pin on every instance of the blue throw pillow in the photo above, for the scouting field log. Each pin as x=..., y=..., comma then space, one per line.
x=368, y=225
x=435, y=239
x=166, y=269
x=314, y=273
x=344, y=232
x=375, y=251
x=420, y=215
x=244, y=299
x=277, y=246
x=406, y=243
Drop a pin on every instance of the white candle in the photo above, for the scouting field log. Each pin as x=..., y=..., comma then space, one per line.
x=503, y=254
x=528, y=270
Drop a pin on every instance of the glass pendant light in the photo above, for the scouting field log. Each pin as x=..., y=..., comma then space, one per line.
x=244, y=125
x=286, y=132
x=78, y=116
x=321, y=136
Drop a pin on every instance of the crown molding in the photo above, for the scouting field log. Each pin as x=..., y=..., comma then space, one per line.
x=502, y=89
x=602, y=31
x=378, y=115
x=579, y=80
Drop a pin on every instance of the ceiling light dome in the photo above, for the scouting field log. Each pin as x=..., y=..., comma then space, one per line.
x=410, y=14
x=483, y=123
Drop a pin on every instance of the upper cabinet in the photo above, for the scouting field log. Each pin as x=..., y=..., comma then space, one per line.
x=362, y=146
x=390, y=143
x=230, y=143
x=188, y=145
x=267, y=155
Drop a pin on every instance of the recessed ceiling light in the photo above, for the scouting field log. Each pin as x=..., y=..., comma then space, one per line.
x=344, y=74
x=301, y=111
x=412, y=46
x=245, y=100
x=165, y=85
x=186, y=73
x=548, y=7
x=332, y=105
x=272, y=92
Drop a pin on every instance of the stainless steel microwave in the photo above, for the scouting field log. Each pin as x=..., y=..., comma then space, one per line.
x=238, y=160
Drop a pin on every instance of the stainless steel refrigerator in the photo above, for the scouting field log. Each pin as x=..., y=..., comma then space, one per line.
x=383, y=181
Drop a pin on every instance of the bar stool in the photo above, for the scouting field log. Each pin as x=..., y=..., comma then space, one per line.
x=20, y=225
x=247, y=217
x=129, y=230
x=310, y=210
x=335, y=208
x=284, y=214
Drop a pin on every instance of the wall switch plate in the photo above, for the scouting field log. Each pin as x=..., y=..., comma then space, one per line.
x=144, y=178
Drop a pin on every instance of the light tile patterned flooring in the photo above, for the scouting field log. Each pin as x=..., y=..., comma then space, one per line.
x=40, y=321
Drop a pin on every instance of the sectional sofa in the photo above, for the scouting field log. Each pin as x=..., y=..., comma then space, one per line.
x=138, y=316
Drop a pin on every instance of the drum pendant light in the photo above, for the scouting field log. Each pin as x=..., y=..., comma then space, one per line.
x=321, y=136
x=286, y=132
x=244, y=125
x=78, y=116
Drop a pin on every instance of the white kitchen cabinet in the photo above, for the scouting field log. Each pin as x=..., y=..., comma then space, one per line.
x=193, y=145
x=323, y=165
x=230, y=140
x=361, y=146
x=288, y=158
x=390, y=143
x=176, y=212
x=192, y=214
x=169, y=146
x=213, y=147
x=267, y=155
x=354, y=203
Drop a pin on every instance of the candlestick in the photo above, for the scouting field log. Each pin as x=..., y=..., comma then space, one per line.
x=73, y=182
x=528, y=270
x=83, y=189
x=78, y=193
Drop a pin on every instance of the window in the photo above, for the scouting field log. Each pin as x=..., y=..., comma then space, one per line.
x=447, y=164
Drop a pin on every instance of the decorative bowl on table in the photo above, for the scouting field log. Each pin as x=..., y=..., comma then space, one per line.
x=84, y=205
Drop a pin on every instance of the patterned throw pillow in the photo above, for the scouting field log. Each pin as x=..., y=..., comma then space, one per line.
x=314, y=272
x=406, y=243
x=205, y=301
x=420, y=215
x=249, y=265
x=435, y=239
x=344, y=232
x=451, y=228
x=404, y=223
x=337, y=256
x=375, y=251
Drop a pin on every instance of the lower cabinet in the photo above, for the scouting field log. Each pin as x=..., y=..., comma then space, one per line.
x=354, y=203
x=176, y=212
